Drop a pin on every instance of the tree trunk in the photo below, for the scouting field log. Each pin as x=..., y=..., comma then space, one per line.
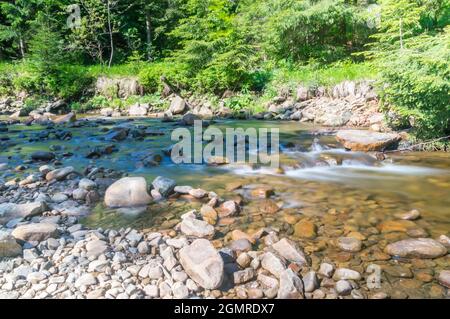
x=111, y=56
x=149, y=34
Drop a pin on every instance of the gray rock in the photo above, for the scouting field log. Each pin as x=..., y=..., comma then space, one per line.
x=290, y=251
x=87, y=184
x=128, y=192
x=96, y=247
x=196, y=228
x=310, y=281
x=180, y=291
x=152, y=291
x=143, y=248
x=164, y=185
x=9, y=211
x=8, y=246
x=343, y=287
x=79, y=194
x=243, y=276
x=85, y=280
x=59, y=174
x=361, y=140
x=138, y=110
x=59, y=198
x=444, y=278
x=273, y=264
x=35, y=232
x=203, y=264
x=346, y=274
x=326, y=270
x=291, y=286
x=177, y=106
x=242, y=244
x=189, y=119
x=42, y=156
x=182, y=189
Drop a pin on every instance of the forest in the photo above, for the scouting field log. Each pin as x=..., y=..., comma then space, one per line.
x=56, y=49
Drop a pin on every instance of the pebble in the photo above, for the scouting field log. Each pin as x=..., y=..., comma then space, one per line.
x=349, y=244
x=416, y=248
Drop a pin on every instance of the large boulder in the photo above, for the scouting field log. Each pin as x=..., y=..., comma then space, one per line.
x=202, y=262
x=35, y=232
x=9, y=246
x=177, y=106
x=360, y=140
x=416, y=248
x=128, y=192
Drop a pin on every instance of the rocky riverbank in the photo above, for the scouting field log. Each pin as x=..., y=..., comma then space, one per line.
x=350, y=103
x=47, y=253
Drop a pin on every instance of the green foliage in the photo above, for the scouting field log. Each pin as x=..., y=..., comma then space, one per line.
x=215, y=52
x=416, y=84
x=150, y=76
x=298, y=30
x=95, y=103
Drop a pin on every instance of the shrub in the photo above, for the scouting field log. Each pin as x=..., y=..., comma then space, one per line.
x=150, y=76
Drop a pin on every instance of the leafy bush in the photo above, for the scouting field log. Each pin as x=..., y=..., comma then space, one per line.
x=416, y=84
x=97, y=102
x=150, y=76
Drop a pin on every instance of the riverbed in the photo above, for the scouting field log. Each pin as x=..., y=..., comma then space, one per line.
x=341, y=193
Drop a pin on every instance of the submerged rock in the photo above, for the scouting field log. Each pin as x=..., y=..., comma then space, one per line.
x=289, y=250
x=128, y=192
x=203, y=264
x=416, y=248
x=360, y=140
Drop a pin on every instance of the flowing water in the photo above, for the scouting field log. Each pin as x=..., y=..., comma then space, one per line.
x=317, y=169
